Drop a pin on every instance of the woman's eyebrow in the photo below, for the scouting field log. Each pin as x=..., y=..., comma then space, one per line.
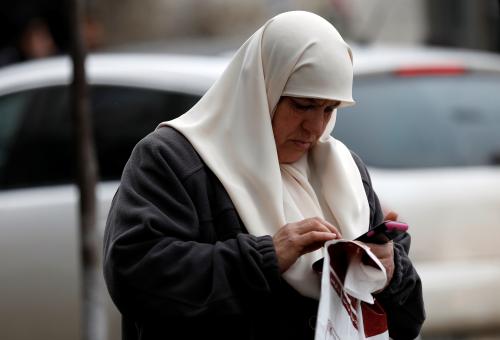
x=317, y=101
x=320, y=102
x=312, y=101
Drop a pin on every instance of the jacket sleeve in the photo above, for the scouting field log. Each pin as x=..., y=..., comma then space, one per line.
x=155, y=262
x=402, y=299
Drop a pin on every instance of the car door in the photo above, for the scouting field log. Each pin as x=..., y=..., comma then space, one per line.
x=39, y=276
x=432, y=144
x=40, y=280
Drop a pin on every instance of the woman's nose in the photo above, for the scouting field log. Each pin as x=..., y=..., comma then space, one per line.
x=314, y=123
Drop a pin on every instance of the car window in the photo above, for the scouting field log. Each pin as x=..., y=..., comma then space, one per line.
x=123, y=116
x=11, y=113
x=405, y=122
x=36, y=131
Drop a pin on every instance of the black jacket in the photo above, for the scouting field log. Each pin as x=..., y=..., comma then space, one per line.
x=179, y=263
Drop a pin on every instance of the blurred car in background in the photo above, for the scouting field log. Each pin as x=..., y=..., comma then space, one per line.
x=427, y=123
x=40, y=279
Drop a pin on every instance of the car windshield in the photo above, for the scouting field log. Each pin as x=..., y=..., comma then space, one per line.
x=433, y=121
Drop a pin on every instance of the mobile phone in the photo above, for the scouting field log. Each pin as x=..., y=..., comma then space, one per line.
x=384, y=232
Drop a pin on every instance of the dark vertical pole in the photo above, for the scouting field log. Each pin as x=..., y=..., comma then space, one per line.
x=94, y=325
x=463, y=23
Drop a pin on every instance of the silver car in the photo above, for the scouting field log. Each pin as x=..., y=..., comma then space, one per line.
x=427, y=123
x=39, y=261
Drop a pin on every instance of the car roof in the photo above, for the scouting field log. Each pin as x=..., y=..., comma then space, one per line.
x=192, y=74
x=382, y=59
x=195, y=73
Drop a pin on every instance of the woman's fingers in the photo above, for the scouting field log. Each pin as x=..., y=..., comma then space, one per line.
x=316, y=224
x=389, y=214
x=295, y=239
x=385, y=253
x=314, y=240
x=382, y=251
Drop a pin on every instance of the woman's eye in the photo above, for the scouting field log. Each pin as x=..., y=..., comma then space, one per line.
x=303, y=107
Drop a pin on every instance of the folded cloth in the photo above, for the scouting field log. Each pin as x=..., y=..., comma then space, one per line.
x=347, y=308
x=364, y=277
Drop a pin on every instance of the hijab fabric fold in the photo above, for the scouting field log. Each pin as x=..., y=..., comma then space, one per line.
x=293, y=54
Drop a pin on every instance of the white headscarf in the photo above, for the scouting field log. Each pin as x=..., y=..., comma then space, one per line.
x=293, y=54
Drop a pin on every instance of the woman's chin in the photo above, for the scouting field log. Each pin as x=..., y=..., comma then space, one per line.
x=291, y=157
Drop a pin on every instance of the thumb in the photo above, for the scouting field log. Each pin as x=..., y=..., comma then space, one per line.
x=391, y=216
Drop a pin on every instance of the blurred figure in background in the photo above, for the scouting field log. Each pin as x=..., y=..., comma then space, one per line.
x=36, y=41
x=32, y=29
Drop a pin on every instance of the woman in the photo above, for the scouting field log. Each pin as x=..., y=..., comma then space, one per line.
x=222, y=211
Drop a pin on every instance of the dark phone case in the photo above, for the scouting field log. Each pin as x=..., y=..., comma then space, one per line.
x=383, y=232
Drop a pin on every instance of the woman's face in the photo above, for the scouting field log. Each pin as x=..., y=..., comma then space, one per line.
x=298, y=123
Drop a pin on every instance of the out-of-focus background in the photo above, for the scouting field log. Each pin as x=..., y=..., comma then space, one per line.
x=37, y=28
x=427, y=123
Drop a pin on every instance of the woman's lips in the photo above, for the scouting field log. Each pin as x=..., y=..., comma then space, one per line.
x=304, y=145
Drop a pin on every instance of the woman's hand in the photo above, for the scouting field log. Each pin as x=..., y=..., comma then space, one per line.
x=390, y=215
x=298, y=238
x=385, y=253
